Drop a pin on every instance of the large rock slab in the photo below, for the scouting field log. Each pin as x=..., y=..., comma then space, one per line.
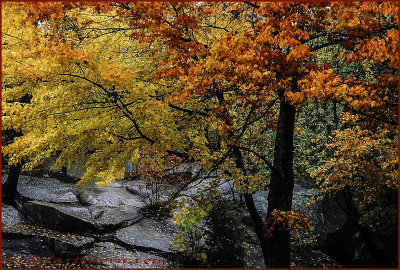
x=18, y=239
x=81, y=219
x=61, y=217
x=112, y=255
x=147, y=235
x=46, y=189
x=111, y=218
x=112, y=195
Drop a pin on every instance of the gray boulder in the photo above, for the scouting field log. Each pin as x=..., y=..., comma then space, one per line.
x=112, y=195
x=111, y=218
x=186, y=169
x=147, y=235
x=76, y=218
x=46, y=189
x=19, y=237
x=138, y=187
x=326, y=215
x=62, y=217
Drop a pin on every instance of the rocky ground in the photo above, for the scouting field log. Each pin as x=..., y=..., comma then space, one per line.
x=103, y=227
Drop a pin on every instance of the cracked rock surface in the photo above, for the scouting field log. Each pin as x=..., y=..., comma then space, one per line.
x=61, y=221
x=103, y=225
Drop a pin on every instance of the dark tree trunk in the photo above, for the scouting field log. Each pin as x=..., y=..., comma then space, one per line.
x=10, y=194
x=64, y=170
x=281, y=186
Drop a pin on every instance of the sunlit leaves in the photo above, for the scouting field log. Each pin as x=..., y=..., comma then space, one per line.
x=365, y=162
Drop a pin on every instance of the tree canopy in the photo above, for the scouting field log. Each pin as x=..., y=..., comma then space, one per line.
x=218, y=84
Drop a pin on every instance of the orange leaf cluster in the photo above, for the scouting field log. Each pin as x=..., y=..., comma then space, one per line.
x=286, y=221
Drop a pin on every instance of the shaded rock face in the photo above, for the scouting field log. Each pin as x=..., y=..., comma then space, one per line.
x=54, y=216
x=326, y=215
x=63, y=220
x=29, y=239
x=342, y=245
x=105, y=222
x=146, y=235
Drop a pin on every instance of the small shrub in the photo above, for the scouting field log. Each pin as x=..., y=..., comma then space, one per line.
x=226, y=235
x=212, y=235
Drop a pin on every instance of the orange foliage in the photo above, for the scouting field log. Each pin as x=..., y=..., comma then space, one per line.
x=287, y=221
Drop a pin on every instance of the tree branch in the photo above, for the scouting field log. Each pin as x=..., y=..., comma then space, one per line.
x=369, y=116
x=263, y=158
x=188, y=111
x=115, y=99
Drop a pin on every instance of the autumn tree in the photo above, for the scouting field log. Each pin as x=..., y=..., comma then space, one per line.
x=203, y=82
x=363, y=165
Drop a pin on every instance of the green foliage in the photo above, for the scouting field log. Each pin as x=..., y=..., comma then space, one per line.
x=188, y=216
x=315, y=122
x=226, y=236
x=214, y=237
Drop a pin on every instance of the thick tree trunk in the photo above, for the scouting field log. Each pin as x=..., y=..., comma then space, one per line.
x=281, y=186
x=10, y=194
